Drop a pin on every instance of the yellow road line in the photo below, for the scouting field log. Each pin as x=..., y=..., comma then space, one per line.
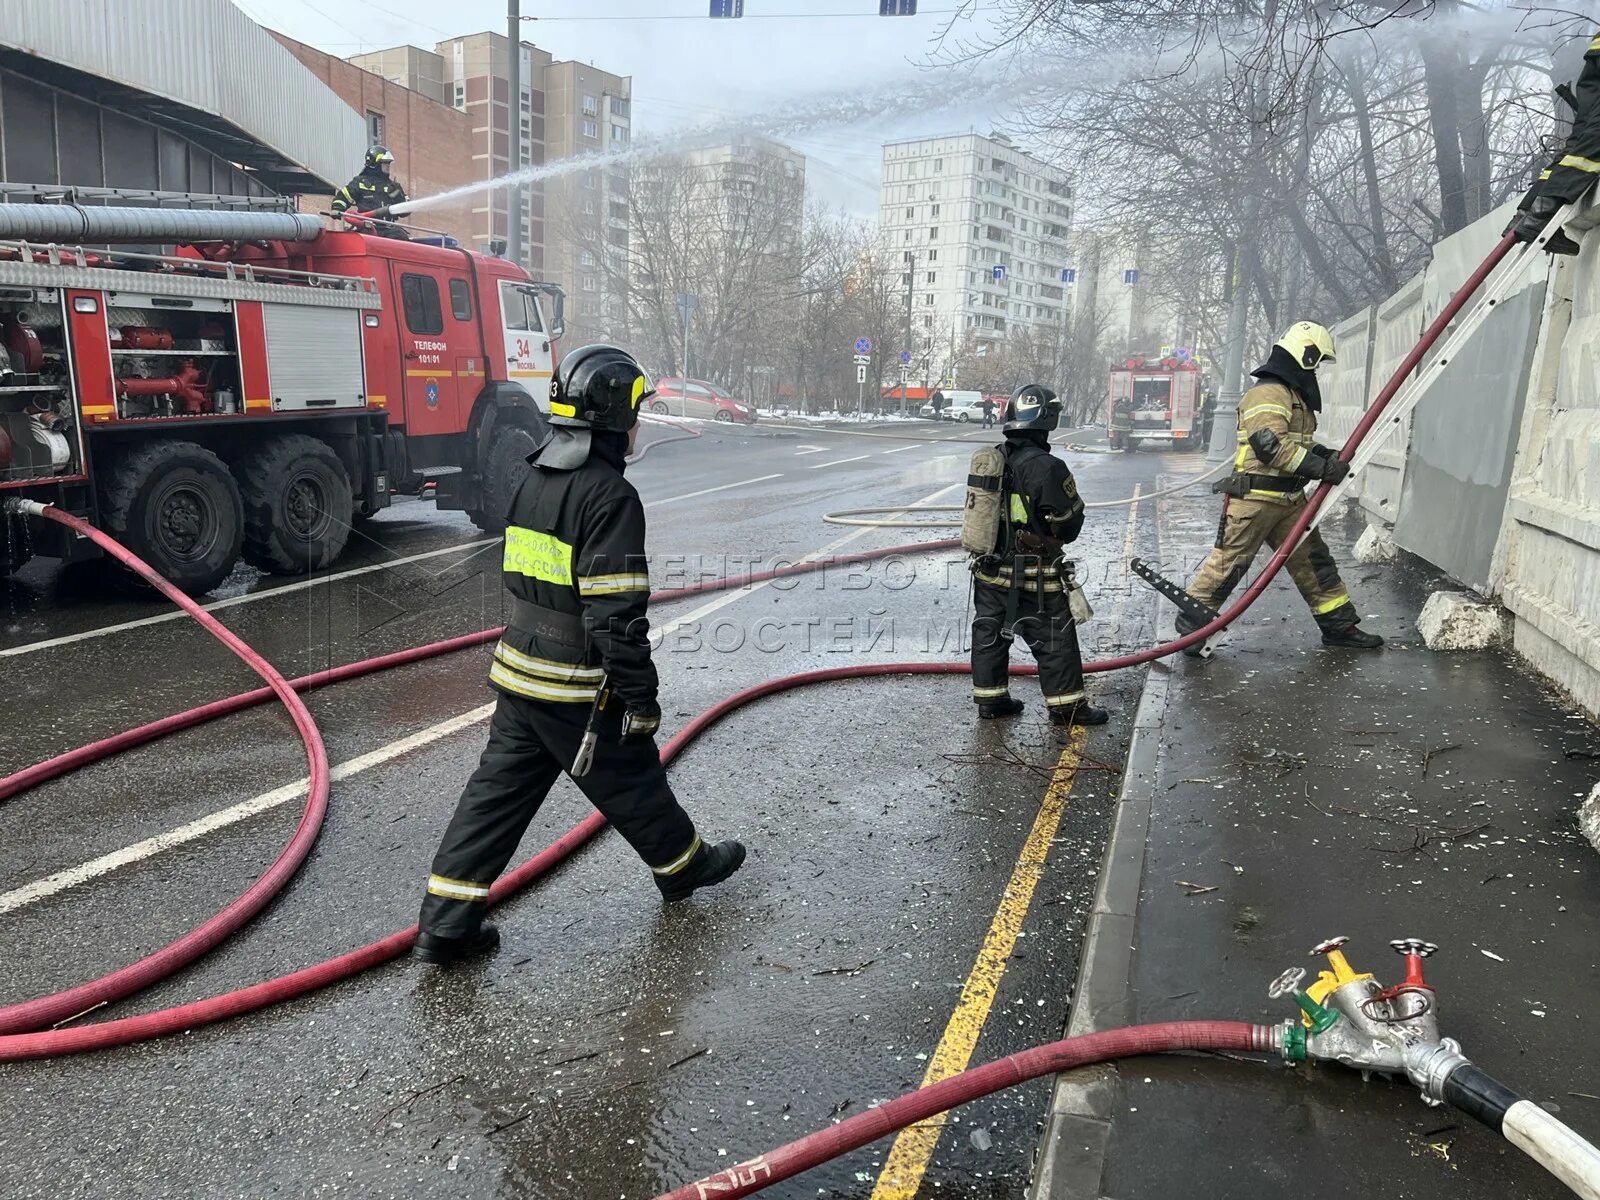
x=913, y=1149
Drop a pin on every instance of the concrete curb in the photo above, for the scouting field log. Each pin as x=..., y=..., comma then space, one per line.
x=1071, y=1154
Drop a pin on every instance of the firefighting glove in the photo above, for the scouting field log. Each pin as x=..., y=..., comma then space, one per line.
x=641, y=719
x=1329, y=469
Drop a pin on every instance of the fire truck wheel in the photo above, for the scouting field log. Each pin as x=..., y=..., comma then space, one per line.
x=503, y=468
x=175, y=505
x=297, y=505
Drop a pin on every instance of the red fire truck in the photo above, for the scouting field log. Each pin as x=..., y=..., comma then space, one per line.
x=1156, y=400
x=257, y=390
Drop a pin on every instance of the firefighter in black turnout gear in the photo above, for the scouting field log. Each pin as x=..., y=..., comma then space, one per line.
x=1020, y=589
x=1575, y=169
x=574, y=658
x=372, y=189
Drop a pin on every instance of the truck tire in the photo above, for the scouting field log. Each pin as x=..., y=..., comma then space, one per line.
x=504, y=466
x=297, y=504
x=175, y=505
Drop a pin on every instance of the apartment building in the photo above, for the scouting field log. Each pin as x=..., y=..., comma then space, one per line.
x=982, y=227
x=588, y=112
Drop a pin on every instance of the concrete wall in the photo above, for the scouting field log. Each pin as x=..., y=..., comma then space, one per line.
x=1496, y=478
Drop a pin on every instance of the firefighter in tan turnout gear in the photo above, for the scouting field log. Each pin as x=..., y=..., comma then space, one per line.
x=1277, y=456
x=574, y=660
x=1020, y=577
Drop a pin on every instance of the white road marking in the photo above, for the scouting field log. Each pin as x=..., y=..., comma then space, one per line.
x=234, y=601
x=83, y=872
x=707, y=491
x=836, y=462
x=898, y=449
x=71, y=877
x=803, y=450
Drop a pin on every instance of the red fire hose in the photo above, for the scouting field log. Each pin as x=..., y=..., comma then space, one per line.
x=32, y=1015
x=836, y=1140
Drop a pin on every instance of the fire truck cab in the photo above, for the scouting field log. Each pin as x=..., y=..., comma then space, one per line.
x=1156, y=400
x=253, y=398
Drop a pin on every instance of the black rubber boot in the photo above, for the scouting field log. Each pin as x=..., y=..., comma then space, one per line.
x=1351, y=637
x=444, y=951
x=1005, y=706
x=711, y=865
x=1083, y=713
x=1185, y=626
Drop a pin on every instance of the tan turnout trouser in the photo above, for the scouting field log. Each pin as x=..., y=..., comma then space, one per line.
x=1248, y=523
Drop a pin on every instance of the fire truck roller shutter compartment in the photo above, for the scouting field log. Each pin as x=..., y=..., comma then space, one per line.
x=314, y=357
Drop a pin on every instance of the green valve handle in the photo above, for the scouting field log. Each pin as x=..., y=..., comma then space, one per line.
x=1288, y=984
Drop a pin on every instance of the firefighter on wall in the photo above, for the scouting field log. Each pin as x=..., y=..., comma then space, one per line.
x=1277, y=456
x=573, y=668
x=372, y=189
x=1022, y=510
x=1575, y=169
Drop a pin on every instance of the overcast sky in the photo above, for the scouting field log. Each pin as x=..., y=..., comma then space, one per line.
x=688, y=68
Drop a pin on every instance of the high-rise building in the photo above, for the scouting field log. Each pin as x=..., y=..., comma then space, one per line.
x=981, y=228
x=752, y=169
x=588, y=112
x=474, y=75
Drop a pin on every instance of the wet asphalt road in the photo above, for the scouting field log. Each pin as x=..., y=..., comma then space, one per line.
x=611, y=1048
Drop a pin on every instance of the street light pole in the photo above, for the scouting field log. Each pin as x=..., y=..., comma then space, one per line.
x=911, y=279
x=513, y=130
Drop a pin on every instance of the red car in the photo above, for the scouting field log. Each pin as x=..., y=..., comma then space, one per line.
x=697, y=398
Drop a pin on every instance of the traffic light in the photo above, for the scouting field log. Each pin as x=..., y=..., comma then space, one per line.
x=897, y=8
x=727, y=8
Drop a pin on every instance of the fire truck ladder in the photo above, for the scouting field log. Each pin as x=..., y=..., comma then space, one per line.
x=1406, y=401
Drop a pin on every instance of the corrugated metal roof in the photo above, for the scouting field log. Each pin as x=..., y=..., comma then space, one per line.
x=197, y=59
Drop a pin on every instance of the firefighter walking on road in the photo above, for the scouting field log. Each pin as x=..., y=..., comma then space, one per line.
x=1020, y=578
x=574, y=659
x=1277, y=455
x=372, y=189
x=1575, y=169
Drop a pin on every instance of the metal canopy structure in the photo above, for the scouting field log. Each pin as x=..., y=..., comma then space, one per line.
x=199, y=68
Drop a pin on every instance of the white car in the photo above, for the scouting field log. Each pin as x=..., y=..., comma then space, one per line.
x=964, y=409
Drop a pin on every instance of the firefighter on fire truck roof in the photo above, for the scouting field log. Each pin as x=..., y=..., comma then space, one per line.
x=372, y=189
x=1277, y=456
x=1019, y=577
x=1575, y=169
x=574, y=659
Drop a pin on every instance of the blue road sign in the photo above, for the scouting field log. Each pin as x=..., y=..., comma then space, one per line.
x=905, y=356
x=897, y=8
x=1131, y=276
x=1069, y=274
x=999, y=272
x=863, y=345
x=727, y=8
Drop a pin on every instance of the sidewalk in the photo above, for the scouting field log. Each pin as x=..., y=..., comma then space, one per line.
x=1280, y=794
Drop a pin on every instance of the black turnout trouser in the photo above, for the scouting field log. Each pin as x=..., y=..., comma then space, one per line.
x=531, y=742
x=1045, y=623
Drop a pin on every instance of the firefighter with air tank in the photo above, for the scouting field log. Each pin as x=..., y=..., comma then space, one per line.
x=577, y=688
x=1022, y=511
x=1277, y=456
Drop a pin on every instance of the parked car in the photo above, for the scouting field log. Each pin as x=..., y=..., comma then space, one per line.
x=949, y=402
x=697, y=398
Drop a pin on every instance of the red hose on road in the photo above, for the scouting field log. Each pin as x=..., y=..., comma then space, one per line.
x=825, y=1144
x=125, y=981
x=47, y=1043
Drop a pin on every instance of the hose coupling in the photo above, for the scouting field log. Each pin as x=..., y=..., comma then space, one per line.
x=1430, y=1064
x=23, y=507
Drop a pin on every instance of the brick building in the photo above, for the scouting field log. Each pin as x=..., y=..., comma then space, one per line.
x=431, y=141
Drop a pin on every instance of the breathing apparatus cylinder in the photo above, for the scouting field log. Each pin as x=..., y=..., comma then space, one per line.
x=980, y=518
